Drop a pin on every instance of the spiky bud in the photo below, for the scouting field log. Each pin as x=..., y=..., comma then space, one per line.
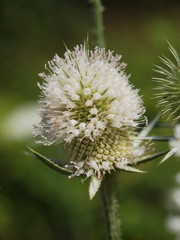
x=168, y=87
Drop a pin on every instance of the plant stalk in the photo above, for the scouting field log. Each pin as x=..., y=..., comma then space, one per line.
x=98, y=23
x=111, y=208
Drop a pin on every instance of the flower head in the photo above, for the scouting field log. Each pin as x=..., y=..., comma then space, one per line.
x=168, y=86
x=175, y=142
x=89, y=104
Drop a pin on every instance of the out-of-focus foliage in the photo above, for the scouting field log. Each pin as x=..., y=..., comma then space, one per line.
x=37, y=202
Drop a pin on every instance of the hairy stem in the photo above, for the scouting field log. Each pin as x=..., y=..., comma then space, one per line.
x=98, y=22
x=111, y=208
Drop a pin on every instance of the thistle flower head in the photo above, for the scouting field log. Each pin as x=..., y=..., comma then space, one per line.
x=168, y=86
x=88, y=103
x=175, y=142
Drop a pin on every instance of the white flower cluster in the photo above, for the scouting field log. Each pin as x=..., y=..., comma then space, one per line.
x=89, y=104
x=175, y=142
x=84, y=93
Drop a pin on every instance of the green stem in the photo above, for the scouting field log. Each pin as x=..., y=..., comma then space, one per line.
x=98, y=22
x=111, y=208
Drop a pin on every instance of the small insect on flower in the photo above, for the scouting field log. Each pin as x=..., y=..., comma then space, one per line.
x=168, y=87
x=88, y=104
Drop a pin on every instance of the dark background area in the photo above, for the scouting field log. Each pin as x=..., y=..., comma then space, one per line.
x=36, y=202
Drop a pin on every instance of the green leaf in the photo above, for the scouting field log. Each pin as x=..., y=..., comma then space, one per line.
x=50, y=163
x=132, y=169
x=154, y=138
x=151, y=157
x=128, y=168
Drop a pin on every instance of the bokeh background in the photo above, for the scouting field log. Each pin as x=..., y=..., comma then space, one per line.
x=36, y=202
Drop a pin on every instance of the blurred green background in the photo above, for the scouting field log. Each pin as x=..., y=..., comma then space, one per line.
x=36, y=202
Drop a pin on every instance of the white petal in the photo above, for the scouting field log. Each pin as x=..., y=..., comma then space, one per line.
x=94, y=111
x=94, y=165
x=73, y=122
x=90, y=126
x=87, y=91
x=82, y=126
x=89, y=103
x=94, y=186
x=96, y=96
